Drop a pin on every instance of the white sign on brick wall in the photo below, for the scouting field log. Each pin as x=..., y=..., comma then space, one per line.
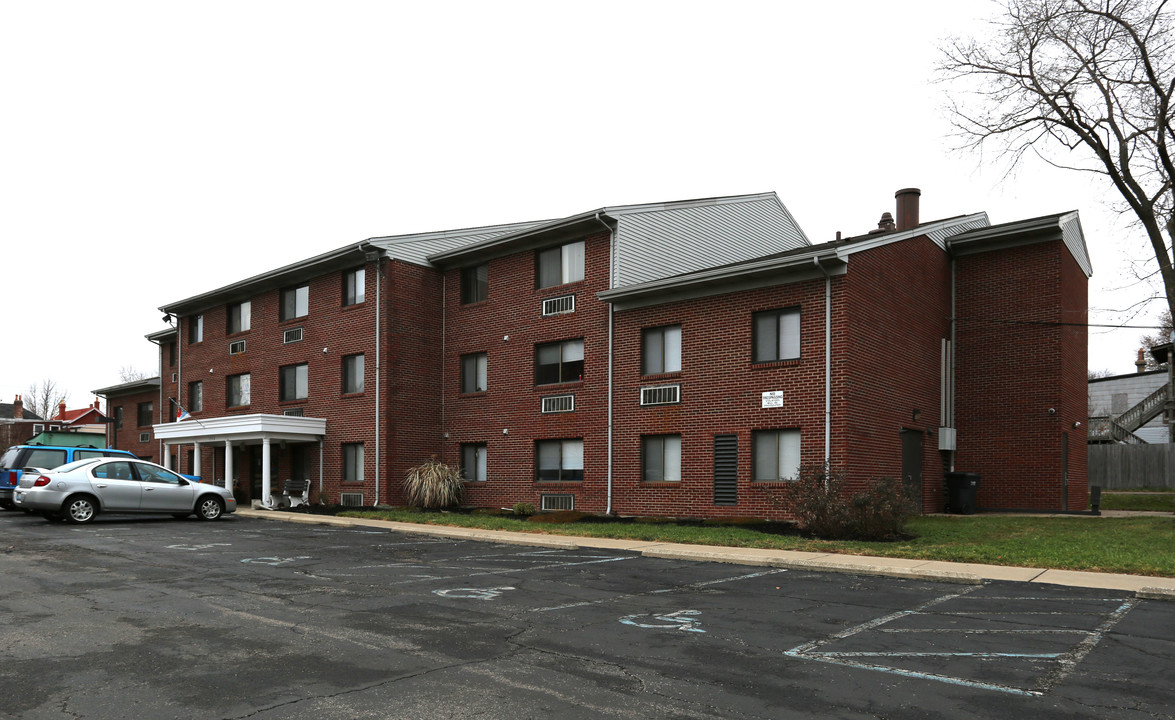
x=773, y=399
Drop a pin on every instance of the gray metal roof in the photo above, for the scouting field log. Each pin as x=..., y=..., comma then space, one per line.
x=418, y=247
x=128, y=387
x=1064, y=226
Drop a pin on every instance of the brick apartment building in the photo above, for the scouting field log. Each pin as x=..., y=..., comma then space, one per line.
x=676, y=359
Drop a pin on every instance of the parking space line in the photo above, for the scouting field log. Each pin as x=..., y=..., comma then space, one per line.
x=678, y=588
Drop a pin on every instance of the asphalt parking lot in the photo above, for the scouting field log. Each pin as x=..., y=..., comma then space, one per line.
x=242, y=618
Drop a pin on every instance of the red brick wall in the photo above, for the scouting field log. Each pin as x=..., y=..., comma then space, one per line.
x=1015, y=364
x=897, y=310
x=127, y=437
x=512, y=401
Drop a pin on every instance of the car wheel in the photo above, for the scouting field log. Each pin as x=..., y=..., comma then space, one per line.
x=209, y=508
x=80, y=509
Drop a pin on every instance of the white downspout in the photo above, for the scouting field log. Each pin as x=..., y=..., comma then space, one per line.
x=378, y=334
x=827, y=362
x=611, y=310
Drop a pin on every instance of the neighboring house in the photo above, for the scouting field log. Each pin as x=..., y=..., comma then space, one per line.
x=87, y=419
x=1112, y=397
x=678, y=358
x=17, y=425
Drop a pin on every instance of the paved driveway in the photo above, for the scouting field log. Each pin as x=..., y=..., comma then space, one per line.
x=145, y=618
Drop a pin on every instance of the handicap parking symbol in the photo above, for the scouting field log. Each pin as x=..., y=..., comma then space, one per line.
x=680, y=620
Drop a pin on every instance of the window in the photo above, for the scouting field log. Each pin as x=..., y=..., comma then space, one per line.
x=475, y=283
x=295, y=302
x=353, y=462
x=294, y=382
x=118, y=418
x=237, y=390
x=777, y=335
x=661, y=458
x=559, y=460
x=152, y=474
x=474, y=373
x=195, y=329
x=171, y=354
x=354, y=287
x=560, y=265
x=353, y=374
x=239, y=317
x=473, y=462
x=196, y=396
x=146, y=412
x=661, y=350
x=777, y=455
x=558, y=362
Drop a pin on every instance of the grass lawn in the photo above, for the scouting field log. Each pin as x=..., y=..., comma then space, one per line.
x=1138, y=546
x=1139, y=501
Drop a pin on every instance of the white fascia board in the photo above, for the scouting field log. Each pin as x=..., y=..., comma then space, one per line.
x=242, y=428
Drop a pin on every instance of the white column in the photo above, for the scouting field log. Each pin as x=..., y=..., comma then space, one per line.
x=196, y=459
x=228, y=465
x=265, y=499
x=166, y=456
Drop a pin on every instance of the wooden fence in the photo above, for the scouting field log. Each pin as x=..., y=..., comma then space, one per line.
x=1122, y=467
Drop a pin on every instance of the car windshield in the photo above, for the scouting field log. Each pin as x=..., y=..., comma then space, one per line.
x=76, y=464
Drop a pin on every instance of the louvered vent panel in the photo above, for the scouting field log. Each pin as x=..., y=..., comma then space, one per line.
x=559, y=404
x=293, y=412
x=557, y=502
x=726, y=469
x=559, y=305
x=236, y=348
x=292, y=335
x=661, y=395
x=351, y=499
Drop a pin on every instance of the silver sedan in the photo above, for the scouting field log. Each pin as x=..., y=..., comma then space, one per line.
x=80, y=490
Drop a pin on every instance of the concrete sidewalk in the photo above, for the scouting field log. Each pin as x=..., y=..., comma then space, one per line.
x=966, y=573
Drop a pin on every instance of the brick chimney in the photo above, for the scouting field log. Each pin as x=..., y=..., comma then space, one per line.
x=60, y=411
x=17, y=408
x=907, y=209
x=97, y=406
x=1140, y=363
x=884, y=225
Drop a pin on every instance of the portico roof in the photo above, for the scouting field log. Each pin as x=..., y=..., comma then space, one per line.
x=242, y=429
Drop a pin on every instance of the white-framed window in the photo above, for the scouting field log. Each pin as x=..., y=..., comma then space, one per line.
x=195, y=329
x=354, y=287
x=558, y=362
x=776, y=455
x=559, y=460
x=473, y=461
x=353, y=462
x=196, y=396
x=661, y=350
x=353, y=373
x=146, y=414
x=239, y=317
x=776, y=335
x=294, y=382
x=661, y=458
x=295, y=302
x=237, y=389
x=559, y=265
x=474, y=372
x=475, y=283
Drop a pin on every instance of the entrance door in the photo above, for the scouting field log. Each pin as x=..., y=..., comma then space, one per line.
x=912, y=464
x=254, y=472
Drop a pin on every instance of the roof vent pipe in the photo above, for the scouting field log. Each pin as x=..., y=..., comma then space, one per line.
x=907, y=209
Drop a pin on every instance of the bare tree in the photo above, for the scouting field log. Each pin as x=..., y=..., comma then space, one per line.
x=44, y=398
x=1086, y=85
x=1162, y=337
x=129, y=373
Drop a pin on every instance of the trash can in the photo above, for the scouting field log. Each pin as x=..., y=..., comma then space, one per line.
x=961, y=490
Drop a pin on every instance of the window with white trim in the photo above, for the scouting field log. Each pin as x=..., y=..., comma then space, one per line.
x=474, y=372
x=352, y=462
x=196, y=396
x=237, y=390
x=475, y=283
x=354, y=287
x=195, y=329
x=776, y=335
x=353, y=374
x=558, y=362
x=239, y=317
x=776, y=455
x=473, y=462
x=294, y=382
x=661, y=350
x=295, y=302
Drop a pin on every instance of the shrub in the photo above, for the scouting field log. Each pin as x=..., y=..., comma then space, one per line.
x=433, y=485
x=524, y=508
x=820, y=501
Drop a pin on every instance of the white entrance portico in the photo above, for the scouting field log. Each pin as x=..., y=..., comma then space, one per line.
x=239, y=430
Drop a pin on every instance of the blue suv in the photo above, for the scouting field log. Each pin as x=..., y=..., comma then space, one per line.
x=18, y=457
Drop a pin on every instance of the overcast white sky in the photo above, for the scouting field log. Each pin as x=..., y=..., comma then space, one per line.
x=156, y=150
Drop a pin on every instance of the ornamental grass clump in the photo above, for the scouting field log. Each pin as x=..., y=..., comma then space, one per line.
x=433, y=485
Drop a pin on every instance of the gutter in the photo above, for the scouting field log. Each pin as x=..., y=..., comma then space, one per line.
x=827, y=361
x=611, y=311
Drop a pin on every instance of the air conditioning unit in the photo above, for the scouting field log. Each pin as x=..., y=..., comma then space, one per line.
x=559, y=305
x=144, y=437
x=559, y=404
x=351, y=499
x=557, y=502
x=661, y=395
x=236, y=348
x=293, y=412
x=175, y=377
x=292, y=335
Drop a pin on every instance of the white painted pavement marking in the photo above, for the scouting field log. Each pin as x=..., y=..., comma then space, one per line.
x=680, y=620
x=1068, y=661
x=205, y=546
x=473, y=593
x=274, y=561
x=704, y=583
